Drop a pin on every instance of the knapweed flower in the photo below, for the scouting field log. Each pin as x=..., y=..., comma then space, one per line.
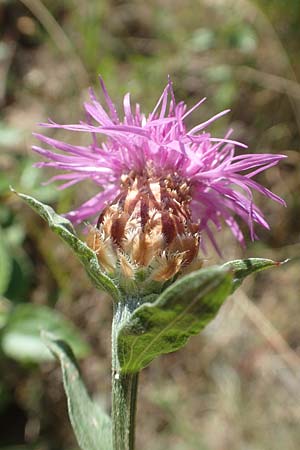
x=163, y=189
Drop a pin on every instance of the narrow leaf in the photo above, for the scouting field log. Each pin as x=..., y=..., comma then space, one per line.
x=165, y=325
x=20, y=337
x=63, y=227
x=91, y=425
x=5, y=265
x=243, y=267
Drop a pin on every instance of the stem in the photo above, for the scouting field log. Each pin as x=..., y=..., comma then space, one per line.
x=124, y=392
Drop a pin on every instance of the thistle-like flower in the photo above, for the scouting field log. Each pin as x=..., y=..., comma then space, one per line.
x=163, y=189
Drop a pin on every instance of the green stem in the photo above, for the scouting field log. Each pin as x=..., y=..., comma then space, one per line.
x=124, y=392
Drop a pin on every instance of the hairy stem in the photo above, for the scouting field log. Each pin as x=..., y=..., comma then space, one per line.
x=124, y=392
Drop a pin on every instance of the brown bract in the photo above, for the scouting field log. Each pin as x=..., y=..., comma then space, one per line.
x=148, y=226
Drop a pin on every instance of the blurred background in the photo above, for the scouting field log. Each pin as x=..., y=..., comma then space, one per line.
x=237, y=385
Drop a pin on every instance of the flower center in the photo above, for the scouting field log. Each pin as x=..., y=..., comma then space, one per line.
x=148, y=226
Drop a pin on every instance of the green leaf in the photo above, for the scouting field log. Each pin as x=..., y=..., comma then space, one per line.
x=21, y=275
x=5, y=265
x=20, y=337
x=165, y=325
x=65, y=230
x=243, y=267
x=5, y=308
x=91, y=425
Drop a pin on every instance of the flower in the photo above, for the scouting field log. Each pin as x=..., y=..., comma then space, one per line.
x=194, y=182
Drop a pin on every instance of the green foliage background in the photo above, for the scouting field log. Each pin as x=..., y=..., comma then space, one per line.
x=237, y=385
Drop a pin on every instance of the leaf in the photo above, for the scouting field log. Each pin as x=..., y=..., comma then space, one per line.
x=91, y=425
x=5, y=308
x=65, y=230
x=21, y=276
x=165, y=325
x=5, y=265
x=243, y=267
x=20, y=337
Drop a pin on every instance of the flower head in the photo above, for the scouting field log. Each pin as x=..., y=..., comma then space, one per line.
x=152, y=170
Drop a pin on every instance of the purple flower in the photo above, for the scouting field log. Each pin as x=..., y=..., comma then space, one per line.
x=158, y=147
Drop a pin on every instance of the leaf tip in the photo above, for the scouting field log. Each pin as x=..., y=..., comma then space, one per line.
x=280, y=263
x=19, y=194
